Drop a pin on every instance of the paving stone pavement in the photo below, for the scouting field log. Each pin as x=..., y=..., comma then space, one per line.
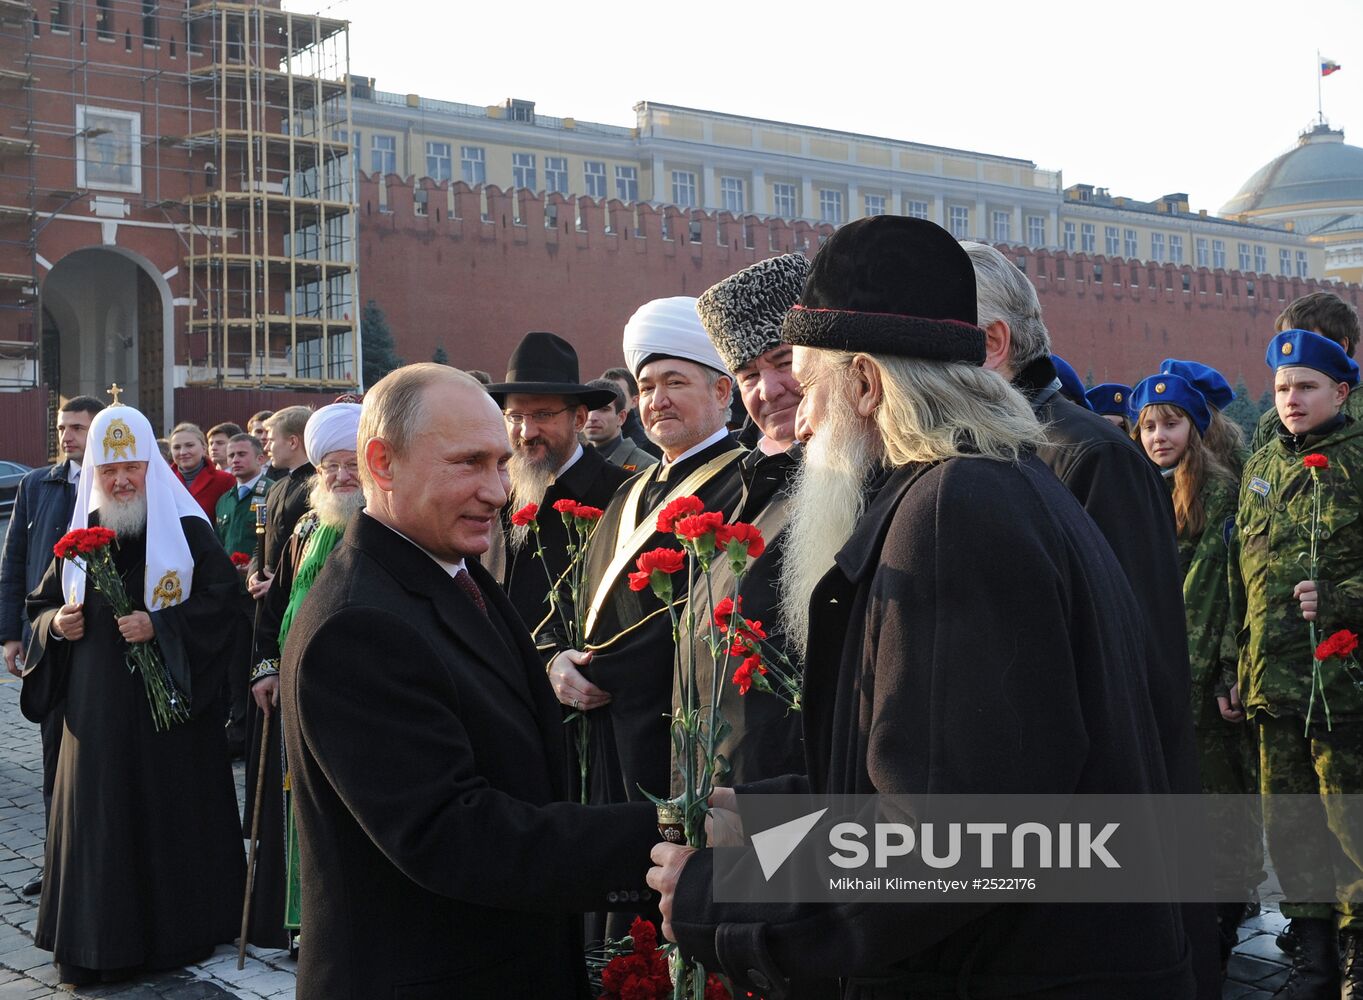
x=26, y=973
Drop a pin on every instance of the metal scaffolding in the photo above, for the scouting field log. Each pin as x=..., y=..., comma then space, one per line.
x=272, y=241
x=18, y=194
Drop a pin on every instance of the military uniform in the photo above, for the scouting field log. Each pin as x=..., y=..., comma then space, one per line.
x=1225, y=750
x=627, y=454
x=1267, y=560
x=1269, y=424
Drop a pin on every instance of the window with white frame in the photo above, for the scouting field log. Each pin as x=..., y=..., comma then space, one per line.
x=1218, y=253
x=109, y=149
x=830, y=206
x=783, y=201
x=383, y=154
x=1260, y=259
x=1129, y=248
x=1002, y=226
x=1243, y=249
x=1301, y=264
x=438, y=161
x=1203, y=254
x=731, y=194
x=1069, y=240
x=683, y=188
x=627, y=183
x=473, y=164
x=1284, y=261
x=556, y=174
x=594, y=176
x=958, y=221
x=916, y=209
x=1157, y=247
x=1112, y=241
x=1088, y=237
x=1036, y=230
x=523, y=170
x=1175, y=249
x=873, y=204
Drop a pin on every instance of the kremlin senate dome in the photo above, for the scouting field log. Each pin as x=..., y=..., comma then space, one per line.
x=1315, y=188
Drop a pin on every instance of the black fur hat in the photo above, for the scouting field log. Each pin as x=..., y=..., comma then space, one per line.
x=743, y=313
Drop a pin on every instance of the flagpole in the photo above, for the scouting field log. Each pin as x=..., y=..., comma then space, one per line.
x=1320, y=105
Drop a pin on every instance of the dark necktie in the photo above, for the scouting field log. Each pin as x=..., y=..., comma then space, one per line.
x=467, y=585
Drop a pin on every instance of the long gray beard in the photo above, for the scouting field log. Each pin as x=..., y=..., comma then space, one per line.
x=529, y=483
x=125, y=518
x=828, y=497
x=335, y=509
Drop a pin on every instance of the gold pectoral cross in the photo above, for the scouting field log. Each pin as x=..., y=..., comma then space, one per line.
x=114, y=391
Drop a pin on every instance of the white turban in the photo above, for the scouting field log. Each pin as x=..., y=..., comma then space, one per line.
x=119, y=433
x=672, y=328
x=332, y=428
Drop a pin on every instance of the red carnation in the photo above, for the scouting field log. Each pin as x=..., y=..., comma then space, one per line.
x=678, y=508
x=746, y=672
x=526, y=515
x=747, y=538
x=1341, y=643
x=584, y=513
x=565, y=506
x=664, y=562
x=240, y=560
x=1316, y=461
x=697, y=526
x=643, y=934
x=82, y=541
x=723, y=610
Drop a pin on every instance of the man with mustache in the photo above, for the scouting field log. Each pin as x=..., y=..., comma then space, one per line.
x=971, y=637
x=545, y=408
x=605, y=430
x=144, y=859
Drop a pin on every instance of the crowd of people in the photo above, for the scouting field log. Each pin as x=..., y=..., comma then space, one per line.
x=988, y=579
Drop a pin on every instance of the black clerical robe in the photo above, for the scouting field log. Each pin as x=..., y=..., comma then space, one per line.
x=591, y=480
x=144, y=859
x=631, y=748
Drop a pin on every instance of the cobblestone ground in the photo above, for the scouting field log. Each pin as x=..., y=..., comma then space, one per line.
x=26, y=973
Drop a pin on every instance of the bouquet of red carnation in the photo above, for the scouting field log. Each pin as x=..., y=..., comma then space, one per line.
x=88, y=548
x=643, y=974
x=763, y=666
x=566, y=598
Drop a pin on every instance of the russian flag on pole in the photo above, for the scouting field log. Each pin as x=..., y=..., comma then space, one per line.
x=1328, y=66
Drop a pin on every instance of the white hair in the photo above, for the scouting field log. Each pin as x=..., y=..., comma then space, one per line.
x=1002, y=292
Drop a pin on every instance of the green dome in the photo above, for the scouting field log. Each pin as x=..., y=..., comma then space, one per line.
x=1320, y=168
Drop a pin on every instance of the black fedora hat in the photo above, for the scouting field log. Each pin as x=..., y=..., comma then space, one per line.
x=890, y=285
x=544, y=364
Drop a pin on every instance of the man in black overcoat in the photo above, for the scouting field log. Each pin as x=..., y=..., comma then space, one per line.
x=440, y=857
x=973, y=637
x=545, y=407
x=1123, y=492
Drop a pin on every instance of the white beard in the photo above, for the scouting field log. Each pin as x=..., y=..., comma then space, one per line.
x=828, y=497
x=125, y=518
x=335, y=509
x=529, y=482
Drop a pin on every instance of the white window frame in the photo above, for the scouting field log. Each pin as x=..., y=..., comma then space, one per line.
x=1260, y=259
x=684, y=188
x=92, y=172
x=1001, y=223
x=594, y=180
x=1219, y=254
x=1303, y=266
x=1112, y=241
x=473, y=169
x=1130, y=247
x=784, y=200
x=731, y=195
x=830, y=206
x=433, y=154
x=915, y=209
x=523, y=171
x=1285, y=261
x=388, y=153
x=1036, y=230
x=1157, y=252
x=626, y=183
x=872, y=204
x=958, y=221
x=1071, y=238
x=1243, y=255
x=1204, y=254
x=1175, y=248
x=1088, y=238
x=556, y=174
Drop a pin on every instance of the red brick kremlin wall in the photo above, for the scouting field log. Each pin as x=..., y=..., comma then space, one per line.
x=475, y=280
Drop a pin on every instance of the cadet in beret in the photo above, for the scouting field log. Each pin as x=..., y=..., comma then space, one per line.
x=1110, y=401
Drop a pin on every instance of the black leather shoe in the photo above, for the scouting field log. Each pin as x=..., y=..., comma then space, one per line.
x=33, y=886
x=1315, y=963
x=1351, y=985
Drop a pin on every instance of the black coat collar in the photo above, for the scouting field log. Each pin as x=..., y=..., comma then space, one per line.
x=59, y=473
x=859, y=557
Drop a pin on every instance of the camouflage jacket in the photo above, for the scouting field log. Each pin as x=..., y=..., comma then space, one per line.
x=1206, y=601
x=1267, y=430
x=1269, y=555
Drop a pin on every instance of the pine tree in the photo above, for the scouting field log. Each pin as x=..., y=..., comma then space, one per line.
x=379, y=354
x=1242, y=410
x=440, y=357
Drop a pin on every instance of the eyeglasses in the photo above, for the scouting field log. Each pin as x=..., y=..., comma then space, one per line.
x=334, y=468
x=539, y=416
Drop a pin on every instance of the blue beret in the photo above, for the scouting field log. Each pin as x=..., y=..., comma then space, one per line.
x=1071, y=385
x=1110, y=397
x=1176, y=391
x=1304, y=349
x=1207, y=380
